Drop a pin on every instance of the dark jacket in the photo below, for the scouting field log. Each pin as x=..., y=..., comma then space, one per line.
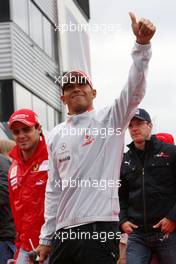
x=7, y=228
x=148, y=189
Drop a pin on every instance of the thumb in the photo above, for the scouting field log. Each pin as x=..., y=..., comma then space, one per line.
x=157, y=225
x=42, y=257
x=134, y=226
x=133, y=18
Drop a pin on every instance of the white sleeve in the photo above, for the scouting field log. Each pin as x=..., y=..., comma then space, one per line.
x=53, y=189
x=125, y=106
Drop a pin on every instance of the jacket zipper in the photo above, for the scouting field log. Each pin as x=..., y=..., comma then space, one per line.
x=147, y=154
x=144, y=200
x=143, y=192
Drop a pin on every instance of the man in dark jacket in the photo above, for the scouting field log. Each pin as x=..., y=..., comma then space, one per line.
x=7, y=228
x=148, y=195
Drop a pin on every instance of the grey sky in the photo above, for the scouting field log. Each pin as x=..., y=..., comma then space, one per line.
x=110, y=56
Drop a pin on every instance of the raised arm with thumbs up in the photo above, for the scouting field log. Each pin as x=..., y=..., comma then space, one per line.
x=142, y=29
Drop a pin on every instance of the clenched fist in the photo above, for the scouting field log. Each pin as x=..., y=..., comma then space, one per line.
x=142, y=29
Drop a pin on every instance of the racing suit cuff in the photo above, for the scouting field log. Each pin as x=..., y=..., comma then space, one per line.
x=45, y=242
x=142, y=46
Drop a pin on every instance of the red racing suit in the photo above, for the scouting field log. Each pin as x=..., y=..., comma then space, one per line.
x=27, y=183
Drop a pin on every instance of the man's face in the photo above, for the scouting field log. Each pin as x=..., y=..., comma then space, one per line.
x=139, y=130
x=78, y=97
x=26, y=137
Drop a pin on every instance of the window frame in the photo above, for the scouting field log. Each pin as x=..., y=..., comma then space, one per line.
x=56, y=112
x=54, y=41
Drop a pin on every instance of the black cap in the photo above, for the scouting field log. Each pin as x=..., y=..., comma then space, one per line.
x=142, y=115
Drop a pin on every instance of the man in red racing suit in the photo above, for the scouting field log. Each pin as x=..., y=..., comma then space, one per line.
x=27, y=180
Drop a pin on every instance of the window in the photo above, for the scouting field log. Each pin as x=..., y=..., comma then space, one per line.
x=39, y=107
x=57, y=117
x=27, y=15
x=4, y=11
x=48, y=116
x=48, y=37
x=6, y=99
x=50, y=112
x=55, y=45
x=36, y=27
x=84, y=5
x=20, y=14
x=23, y=98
